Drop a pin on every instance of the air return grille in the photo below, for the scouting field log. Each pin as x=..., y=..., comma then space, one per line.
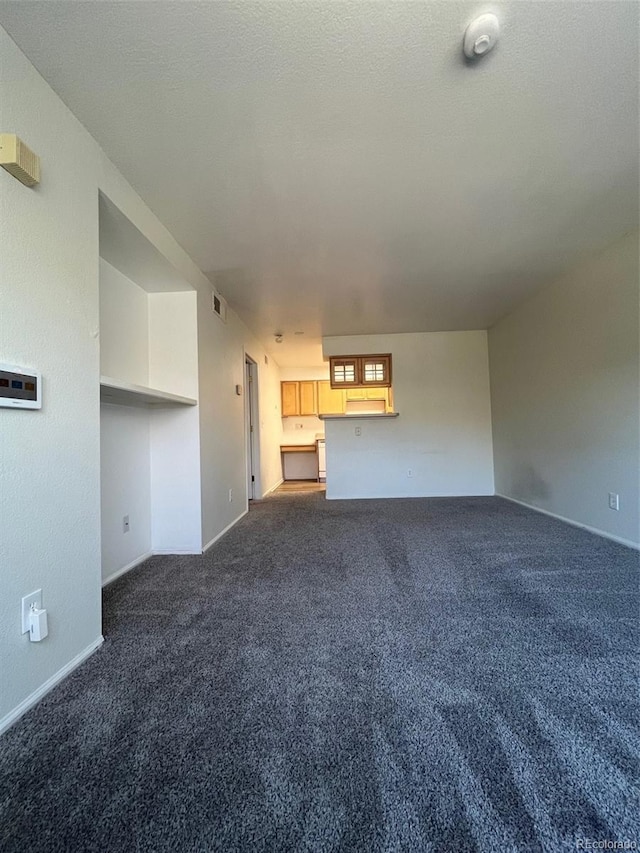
x=219, y=306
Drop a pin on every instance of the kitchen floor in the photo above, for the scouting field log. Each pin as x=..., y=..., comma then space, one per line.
x=300, y=486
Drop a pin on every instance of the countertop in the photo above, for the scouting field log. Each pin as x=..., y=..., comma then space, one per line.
x=358, y=416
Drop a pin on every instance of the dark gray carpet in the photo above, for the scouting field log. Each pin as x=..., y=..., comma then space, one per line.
x=409, y=675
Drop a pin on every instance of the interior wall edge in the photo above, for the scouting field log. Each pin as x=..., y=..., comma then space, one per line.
x=14, y=715
x=127, y=568
x=222, y=532
x=596, y=531
x=273, y=488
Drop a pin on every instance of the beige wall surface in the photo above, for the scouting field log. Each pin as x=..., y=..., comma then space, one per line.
x=565, y=395
x=440, y=444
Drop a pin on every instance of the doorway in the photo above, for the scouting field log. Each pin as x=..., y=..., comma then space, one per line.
x=251, y=415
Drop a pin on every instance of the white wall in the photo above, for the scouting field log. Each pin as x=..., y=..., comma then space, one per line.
x=125, y=476
x=565, y=395
x=173, y=342
x=176, y=518
x=442, y=434
x=302, y=429
x=222, y=348
x=124, y=307
x=270, y=431
x=176, y=526
x=299, y=374
x=50, y=459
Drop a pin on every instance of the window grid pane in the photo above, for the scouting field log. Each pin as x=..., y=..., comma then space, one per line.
x=344, y=373
x=373, y=371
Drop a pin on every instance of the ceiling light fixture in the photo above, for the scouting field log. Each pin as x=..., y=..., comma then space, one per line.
x=278, y=337
x=481, y=36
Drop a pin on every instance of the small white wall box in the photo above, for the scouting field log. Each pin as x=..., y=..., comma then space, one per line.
x=20, y=388
x=38, y=625
x=19, y=160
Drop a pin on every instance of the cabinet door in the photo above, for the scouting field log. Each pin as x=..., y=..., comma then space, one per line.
x=375, y=393
x=360, y=371
x=375, y=370
x=357, y=393
x=344, y=371
x=330, y=400
x=290, y=392
x=308, y=398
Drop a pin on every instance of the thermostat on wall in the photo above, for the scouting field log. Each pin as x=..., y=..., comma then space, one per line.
x=20, y=388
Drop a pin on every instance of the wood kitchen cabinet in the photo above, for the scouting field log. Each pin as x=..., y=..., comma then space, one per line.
x=319, y=398
x=331, y=401
x=290, y=393
x=308, y=397
x=360, y=371
x=299, y=398
x=359, y=394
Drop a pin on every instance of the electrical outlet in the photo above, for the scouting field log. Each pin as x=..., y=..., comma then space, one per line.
x=358, y=430
x=125, y=524
x=614, y=501
x=230, y=495
x=409, y=472
x=29, y=601
x=299, y=426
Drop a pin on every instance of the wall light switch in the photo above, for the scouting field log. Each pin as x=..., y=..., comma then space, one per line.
x=358, y=430
x=614, y=501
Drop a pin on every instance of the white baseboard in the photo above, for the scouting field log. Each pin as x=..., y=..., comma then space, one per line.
x=127, y=568
x=167, y=552
x=13, y=716
x=628, y=542
x=273, y=488
x=222, y=532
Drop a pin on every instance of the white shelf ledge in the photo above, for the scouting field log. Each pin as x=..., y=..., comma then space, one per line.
x=128, y=394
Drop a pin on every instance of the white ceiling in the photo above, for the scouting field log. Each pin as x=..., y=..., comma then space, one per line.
x=338, y=168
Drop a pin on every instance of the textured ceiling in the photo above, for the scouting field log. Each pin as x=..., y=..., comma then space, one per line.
x=338, y=168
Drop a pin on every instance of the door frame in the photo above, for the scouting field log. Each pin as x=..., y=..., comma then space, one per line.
x=251, y=428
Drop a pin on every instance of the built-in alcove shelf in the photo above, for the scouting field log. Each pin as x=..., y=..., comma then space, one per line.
x=127, y=394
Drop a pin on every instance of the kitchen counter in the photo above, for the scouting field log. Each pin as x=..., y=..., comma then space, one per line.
x=297, y=464
x=358, y=416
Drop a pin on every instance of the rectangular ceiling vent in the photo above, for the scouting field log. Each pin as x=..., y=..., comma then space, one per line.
x=219, y=306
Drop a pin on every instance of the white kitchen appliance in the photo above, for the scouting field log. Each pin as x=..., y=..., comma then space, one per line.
x=322, y=461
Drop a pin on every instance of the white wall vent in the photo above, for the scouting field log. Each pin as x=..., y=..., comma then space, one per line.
x=219, y=306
